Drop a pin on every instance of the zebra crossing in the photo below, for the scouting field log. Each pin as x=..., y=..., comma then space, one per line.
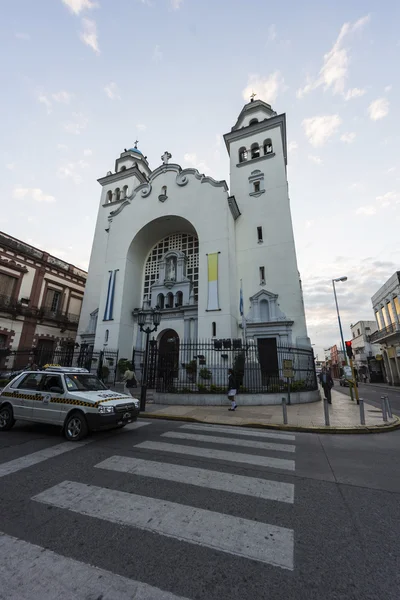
x=255, y=540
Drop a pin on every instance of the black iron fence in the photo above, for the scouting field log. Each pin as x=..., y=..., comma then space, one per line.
x=103, y=362
x=202, y=367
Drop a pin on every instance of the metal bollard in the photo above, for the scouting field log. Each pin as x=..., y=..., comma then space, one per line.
x=362, y=412
x=388, y=408
x=326, y=411
x=284, y=410
x=383, y=404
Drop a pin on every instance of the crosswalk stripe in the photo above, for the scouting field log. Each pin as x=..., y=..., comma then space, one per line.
x=212, y=439
x=266, y=543
x=28, y=571
x=37, y=457
x=241, y=431
x=250, y=459
x=136, y=425
x=227, y=482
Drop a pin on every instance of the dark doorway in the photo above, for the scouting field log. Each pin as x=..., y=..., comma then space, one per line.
x=168, y=357
x=268, y=359
x=44, y=352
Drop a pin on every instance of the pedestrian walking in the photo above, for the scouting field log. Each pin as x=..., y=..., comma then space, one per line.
x=327, y=383
x=130, y=380
x=232, y=389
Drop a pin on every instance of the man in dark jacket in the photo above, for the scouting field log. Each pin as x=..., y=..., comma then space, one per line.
x=232, y=389
x=327, y=383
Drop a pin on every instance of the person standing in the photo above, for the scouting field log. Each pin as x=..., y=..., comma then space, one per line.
x=130, y=380
x=327, y=383
x=232, y=389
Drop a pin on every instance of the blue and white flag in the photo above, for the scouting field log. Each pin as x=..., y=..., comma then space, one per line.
x=108, y=311
x=241, y=300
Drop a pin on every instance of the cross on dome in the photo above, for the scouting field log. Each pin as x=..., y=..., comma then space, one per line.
x=165, y=157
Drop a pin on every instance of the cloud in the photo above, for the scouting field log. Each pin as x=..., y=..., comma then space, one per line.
x=292, y=147
x=71, y=170
x=43, y=99
x=378, y=109
x=354, y=93
x=87, y=152
x=357, y=186
x=272, y=33
x=141, y=127
x=388, y=199
x=22, y=36
x=112, y=91
x=368, y=211
x=388, y=88
x=75, y=127
x=62, y=96
x=11, y=166
x=157, y=54
x=315, y=159
x=391, y=170
x=348, y=137
x=309, y=224
x=62, y=147
x=192, y=160
x=334, y=71
x=266, y=88
x=176, y=4
x=89, y=35
x=319, y=129
x=34, y=193
x=77, y=6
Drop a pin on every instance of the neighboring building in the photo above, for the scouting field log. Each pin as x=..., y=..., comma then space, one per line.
x=386, y=305
x=40, y=300
x=365, y=354
x=337, y=361
x=179, y=240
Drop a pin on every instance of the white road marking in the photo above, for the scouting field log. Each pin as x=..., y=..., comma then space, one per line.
x=136, y=425
x=37, y=457
x=254, y=540
x=250, y=459
x=241, y=431
x=227, y=482
x=30, y=572
x=212, y=439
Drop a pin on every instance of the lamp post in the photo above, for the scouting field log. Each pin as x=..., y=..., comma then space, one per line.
x=145, y=325
x=338, y=314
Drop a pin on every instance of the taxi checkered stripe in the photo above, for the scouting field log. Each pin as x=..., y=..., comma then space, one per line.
x=40, y=397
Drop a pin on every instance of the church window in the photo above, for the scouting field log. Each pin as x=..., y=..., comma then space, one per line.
x=123, y=168
x=253, y=121
x=170, y=300
x=214, y=329
x=255, y=150
x=242, y=155
x=109, y=196
x=262, y=275
x=125, y=191
x=160, y=301
x=106, y=336
x=183, y=242
x=259, y=234
x=117, y=194
x=264, y=311
x=179, y=299
x=267, y=147
x=256, y=185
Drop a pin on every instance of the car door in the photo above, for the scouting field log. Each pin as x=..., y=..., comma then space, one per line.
x=48, y=409
x=25, y=394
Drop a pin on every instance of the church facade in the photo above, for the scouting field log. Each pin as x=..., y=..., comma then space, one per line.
x=219, y=262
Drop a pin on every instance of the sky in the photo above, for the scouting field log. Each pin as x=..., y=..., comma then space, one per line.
x=83, y=79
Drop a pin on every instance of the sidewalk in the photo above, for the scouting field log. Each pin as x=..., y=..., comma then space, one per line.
x=344, y=416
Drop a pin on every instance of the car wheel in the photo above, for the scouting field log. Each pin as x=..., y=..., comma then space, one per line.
x=75, y=427
x=6, y=418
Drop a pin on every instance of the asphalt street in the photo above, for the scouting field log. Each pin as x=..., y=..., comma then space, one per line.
x=167, y=510
x=372, y=394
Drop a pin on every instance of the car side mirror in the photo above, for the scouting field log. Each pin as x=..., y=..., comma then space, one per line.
x=56, y=390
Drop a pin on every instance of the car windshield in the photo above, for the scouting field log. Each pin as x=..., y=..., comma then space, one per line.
x=83, y=383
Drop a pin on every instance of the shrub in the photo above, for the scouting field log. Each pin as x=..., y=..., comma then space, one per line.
x=215, y=389
x=205, y=374
x=123, y=365
x=202, y=388
x=191, y=369
x=105, y=371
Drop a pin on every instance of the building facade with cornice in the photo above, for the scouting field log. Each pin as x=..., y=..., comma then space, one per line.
x=180, y=240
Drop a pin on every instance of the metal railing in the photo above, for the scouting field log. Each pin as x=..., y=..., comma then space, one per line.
x=385, y=332
x=15, y=306
x=202, y=367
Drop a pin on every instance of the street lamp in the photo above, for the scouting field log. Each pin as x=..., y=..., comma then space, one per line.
x=145, y=326
x=338, y=315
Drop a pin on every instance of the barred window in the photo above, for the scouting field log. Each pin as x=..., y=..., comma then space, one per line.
x=184, y=242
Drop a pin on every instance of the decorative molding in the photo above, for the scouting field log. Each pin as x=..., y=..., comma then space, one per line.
x=253, y=160
x=253, y=106
x=250, y=131
x=134, y=170
x=256, y=194
x=146, y=190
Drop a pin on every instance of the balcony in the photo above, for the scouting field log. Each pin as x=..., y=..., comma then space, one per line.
x=386, y=332
x=65, y=320
x=16, y=307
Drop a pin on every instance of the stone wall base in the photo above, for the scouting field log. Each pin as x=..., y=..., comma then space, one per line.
x=242, y=399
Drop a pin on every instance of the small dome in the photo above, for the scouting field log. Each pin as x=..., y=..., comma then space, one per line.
x=135, y=150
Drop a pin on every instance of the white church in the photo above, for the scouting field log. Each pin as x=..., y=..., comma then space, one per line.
x=179, y=240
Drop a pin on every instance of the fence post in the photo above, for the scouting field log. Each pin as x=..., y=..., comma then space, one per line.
x=383, y=404
x=362, y=412
x=326, y=412
x=100, y=366
x=284, y=410
x=388, y=407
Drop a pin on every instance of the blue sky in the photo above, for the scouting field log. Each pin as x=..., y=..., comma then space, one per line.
x=84, y=79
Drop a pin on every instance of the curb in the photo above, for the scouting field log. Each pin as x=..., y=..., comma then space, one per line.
x=298, y=428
